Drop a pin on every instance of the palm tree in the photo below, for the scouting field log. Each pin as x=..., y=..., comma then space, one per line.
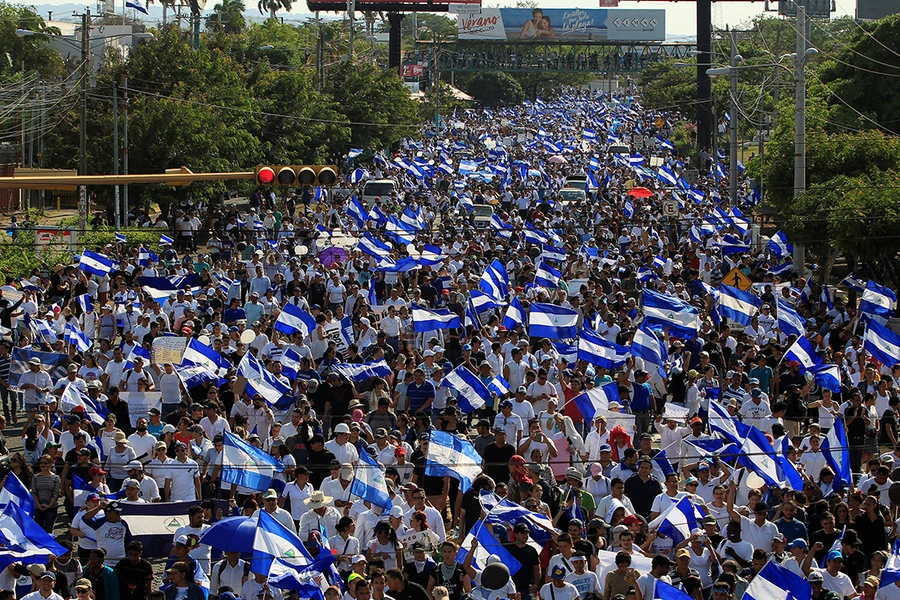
x=273, y=6
x=227, y=17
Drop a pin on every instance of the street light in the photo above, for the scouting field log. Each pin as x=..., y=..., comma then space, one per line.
x=85, y=53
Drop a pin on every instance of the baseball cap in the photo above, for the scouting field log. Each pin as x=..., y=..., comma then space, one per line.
x=341, y=428
x=521, y=390
x=683, y=553
x=799, y=543
x=815, y=577
x=835, y=555
x=131, y=483
x=605, y=448
x=558, y=573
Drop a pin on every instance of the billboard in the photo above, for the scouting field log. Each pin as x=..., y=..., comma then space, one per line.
x=388, y=5
x=564, y=24
x=820, y=9
x=876, y=9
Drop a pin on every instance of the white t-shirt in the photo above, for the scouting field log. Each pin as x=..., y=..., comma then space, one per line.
x=840, y=583
x=183, y=475
x=566, y=592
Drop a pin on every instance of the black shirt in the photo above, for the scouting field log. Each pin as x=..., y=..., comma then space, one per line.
x=642, y=493
x=133, y=579
x=527, y=557
x=496, y=461
x=857, y=429
x=411, y=591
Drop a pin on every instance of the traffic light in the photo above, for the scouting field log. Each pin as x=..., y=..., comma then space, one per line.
x=297, y=175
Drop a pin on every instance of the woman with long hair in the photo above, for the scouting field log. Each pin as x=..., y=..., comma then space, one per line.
x=345, y=544
x=45, y=489
x=419, y=533
x=386, y=546
x=108, y=433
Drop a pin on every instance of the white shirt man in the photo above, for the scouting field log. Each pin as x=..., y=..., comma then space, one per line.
x=182, y=476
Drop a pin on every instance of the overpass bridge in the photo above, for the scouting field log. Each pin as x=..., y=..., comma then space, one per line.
x=602, y=57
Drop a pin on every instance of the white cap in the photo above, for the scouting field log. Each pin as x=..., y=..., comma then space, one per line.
x=342, y=428
x=396, y=511
x=493, y=558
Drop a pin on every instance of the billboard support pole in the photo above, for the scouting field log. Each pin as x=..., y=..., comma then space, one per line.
x=704, y=86
x=395, y=20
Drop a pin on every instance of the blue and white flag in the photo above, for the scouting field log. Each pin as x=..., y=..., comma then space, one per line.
x=837, y=453
x=357, y=176
x=95, y=263
x=290, y=363
x=553, y=253
x=756, y=452
x=374, y=247
x=854, y=283
x=165, y=240
x=732, y=244
x=136, y=5
x=597, y=400
x=595, y=350
x=678, y=520
x=662, y=311
x=552, y=321
x=515, y=314
x=827, y=376
x=451, y=456
x=786, y=469
x=14, y=492
x=368, y=482
x=145, y=257
x=664, y=143
x=248, y=466
x=665, y=591
x=882, y=343
x=779, y=245
x=546, y=276
x=273, y=542
x=412, y=218
x=891, y=572
x=775, y=582
x=364, y=371
x=135, y=352
x=471, y=392
x=877, y=303
x=354, y=152
x=789, y=322
x=262, y=382
x=628, y=209
x=495, y=281
x=488, y=545
x=357, y=212
x=645, y=345
x=82, y=488
x=666, y=175
x=72, y=334
x=804, y=353
x=203, y=355
x=192, y=374
x=43, y=331
x=738, y=305
x=501, y=511
x=399, y=232
x=120, y=237
x=72, y=398
x=482, y=302
x=425, y=319
x=293, y=319
x=25, y=541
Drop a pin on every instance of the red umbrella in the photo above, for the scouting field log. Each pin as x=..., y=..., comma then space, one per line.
x=640, y=192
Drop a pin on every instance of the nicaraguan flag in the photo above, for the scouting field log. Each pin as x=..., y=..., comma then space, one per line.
x=85, y=302
x=756, y=453
x=120, y=237
x=470, y=316
x=262, y=382
x=73, y=335
x=678, y=520
x=472, y=393
x=789, y=322
x=891, y=572
x=95, y=263
x=854, y=283
x=665, y=591
x=290, y=363
x=661, y=311
x=501, y=511
x=248, y=466
x=804, y=353
x=665, y=174
x=137, y=351
x=294, y=319
x=498, y=385
x=203, y=355
x=354, y=152
x=374, y=247
x=774, y=582
x=597, y=351
x=503, y=229
x=377, y=215
x=26, y=541
x=645, y=345
x=664, y=143
x=412, y=218
x=738, y=305
x=487, y=545
x=877, y=303
x=364, y=371
x=827, y=376
x=482, y=302
x=73, y=398
x=597, y=400
x=882, y=343
x=453, y=456
x=358, y=176
x=779, y=245
x=165, y=240
x=273, y=542
x=628, y=210
x=192, y=375
x=145, y=257
x=357, y=212
x=732, y=244
x=837, y=453
x=786, y=469
x=553, y=253
x=14, y=492
x=552, y=321
x=425, y=319
x=515, y=314
x=136, y=5
x=399, y=232
x=368, y=482
x=589, y=134
x=495, y=281
x=546, y=276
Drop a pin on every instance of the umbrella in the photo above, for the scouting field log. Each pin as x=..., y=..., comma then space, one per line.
x=333, y=255
x=640, y=192
x=557, y=158
x=234, y=534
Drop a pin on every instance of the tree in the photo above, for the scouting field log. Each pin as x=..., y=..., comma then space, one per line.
x=227, y=17
x=665, y=86
x=273, y=6
x=32, y=53
x=494, y=88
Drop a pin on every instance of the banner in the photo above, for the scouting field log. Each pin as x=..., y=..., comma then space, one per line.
x=566, y=24
x=56, y=365
x=140, y=403
x=333, y=333
x=154, y=524
x=168, y=349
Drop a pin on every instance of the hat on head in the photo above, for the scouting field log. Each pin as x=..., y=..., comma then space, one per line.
x=341, y=428
x=574, y=474
x=835, y=555
x=558, y=573
x=48, y=575
x=779, y=537
x=799, y=543
x=270, y=493
x=683, y=553
x=696, y=421
x=131, y=483
x=703, y=466
x=815, y=577
x=318, y=499
x=396, y=512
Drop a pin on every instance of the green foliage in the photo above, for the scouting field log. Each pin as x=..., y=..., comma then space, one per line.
x=665, y=86
x=492, y=89
x=227, y=17
x=33, y=51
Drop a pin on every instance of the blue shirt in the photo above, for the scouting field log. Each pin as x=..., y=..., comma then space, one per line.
x=418, y=395
x=640, y=397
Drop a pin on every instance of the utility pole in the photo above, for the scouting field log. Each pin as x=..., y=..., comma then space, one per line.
x=733, y=122
x=351, y=5
x=82, y=164
x=118, y=208
x=800, y=117
x=320, y=53
x=125, y=163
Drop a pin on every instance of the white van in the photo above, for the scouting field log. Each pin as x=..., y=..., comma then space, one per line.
x=377, y=188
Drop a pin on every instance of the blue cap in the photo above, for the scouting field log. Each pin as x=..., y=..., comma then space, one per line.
x=703, y=466
x=799, y=543
x=835, y=555
x=558, y=573
x=605, y=448
x=233, y=328
x=466, y=347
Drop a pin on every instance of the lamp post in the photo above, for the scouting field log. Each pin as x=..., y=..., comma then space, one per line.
x=85, y=48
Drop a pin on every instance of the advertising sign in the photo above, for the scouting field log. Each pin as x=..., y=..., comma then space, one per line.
x=411, y=71
x=564, y=24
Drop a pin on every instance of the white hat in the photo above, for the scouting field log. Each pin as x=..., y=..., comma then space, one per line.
x=428, y=353
x=318, y=499
x=341, y=428
x=396, y=511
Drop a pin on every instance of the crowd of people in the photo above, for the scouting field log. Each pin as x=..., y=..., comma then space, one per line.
x=598, y=481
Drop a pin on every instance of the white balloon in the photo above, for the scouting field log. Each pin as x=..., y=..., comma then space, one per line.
x=248, y=336
x=754, y=481
x=203, y=339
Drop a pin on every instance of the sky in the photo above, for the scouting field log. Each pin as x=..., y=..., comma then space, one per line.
x=680, y=16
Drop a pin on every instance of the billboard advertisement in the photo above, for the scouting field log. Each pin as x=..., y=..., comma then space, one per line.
x=564, y=24
x=876, y=9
